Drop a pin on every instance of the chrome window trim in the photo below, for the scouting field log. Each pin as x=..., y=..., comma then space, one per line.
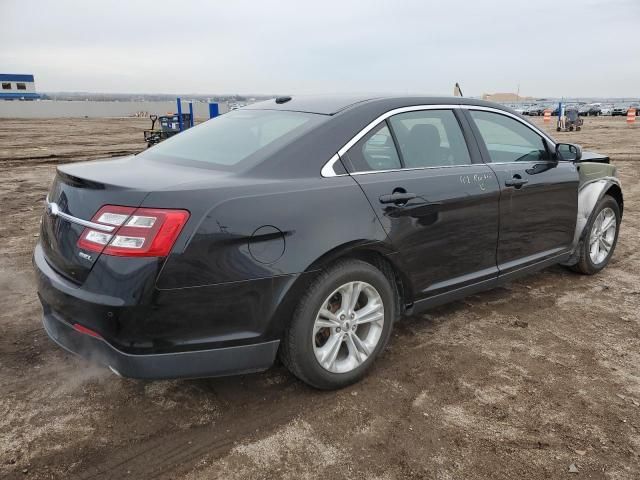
x=369, y=172
x=54, y=210
x=522, y=162
x=515, y=117
x=327, y=170
x=388, y=114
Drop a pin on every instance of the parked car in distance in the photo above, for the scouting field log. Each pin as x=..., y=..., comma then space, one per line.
x=636, y=106
x=592, y=109
x=595, y=110
x=606, y=110
x=535, y=110
x=236, y=105
x=584, y=110
x=619, y=110
x=306, y=227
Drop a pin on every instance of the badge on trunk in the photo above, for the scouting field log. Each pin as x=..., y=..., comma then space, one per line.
x=86, y=256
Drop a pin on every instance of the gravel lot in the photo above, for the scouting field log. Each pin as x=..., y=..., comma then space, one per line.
x=520, y=382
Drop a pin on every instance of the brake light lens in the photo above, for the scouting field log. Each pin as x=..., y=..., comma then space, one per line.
x=140, y=232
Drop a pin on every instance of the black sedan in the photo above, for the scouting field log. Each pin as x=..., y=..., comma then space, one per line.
x=306, y=227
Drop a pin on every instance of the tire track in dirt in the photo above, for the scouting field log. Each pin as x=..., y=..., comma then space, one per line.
x=173, y=453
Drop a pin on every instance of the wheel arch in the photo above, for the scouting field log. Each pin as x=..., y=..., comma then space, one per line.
x=378, y=254
x=588, y=197
x=615, y=191
x=382, y=256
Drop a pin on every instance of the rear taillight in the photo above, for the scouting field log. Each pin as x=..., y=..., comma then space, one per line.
x=140, y=232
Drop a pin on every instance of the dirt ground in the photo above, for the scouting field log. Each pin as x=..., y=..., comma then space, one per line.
x=519, y=382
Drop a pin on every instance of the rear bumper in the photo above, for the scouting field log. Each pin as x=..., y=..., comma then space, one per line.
x=186, y=333
x=193, y=364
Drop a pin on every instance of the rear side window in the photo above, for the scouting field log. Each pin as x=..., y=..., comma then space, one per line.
x=235, y=138
x=6, y=86
x=507, y=139
x=21, y=86
x=375, y=151
x=430, y=138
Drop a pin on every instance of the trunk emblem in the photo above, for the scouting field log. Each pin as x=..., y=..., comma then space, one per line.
x=86, y=256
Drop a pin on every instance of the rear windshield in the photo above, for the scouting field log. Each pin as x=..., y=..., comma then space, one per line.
x=237, y=139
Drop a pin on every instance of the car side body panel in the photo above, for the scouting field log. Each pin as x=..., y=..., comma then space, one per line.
x=278, y=228
x=447, y=235
x=537, y=220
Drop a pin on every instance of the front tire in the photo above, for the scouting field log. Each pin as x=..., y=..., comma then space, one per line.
x=600, y=240
x=340, y=326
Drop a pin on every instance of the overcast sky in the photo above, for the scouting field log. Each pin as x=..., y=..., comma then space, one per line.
x=548, y=47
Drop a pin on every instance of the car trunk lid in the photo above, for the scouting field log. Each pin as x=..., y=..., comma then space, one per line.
x=71, y=200
x=81, y=189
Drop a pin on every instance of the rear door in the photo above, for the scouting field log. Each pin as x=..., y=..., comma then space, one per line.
x=438, y=203
x=538, y=207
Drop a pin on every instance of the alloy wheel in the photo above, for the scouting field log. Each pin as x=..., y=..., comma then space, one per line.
x=348, y=327
x=603, y=234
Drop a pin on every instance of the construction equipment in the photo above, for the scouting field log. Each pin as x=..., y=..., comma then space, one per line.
x=170, y=124
x=569, y=119
x=173, y=123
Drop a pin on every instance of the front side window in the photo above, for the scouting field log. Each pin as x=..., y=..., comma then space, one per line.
x=6, y=86
x=21, y=86
x=430, y=138
x=375, y=151
x=507, y=139
x=235, y=138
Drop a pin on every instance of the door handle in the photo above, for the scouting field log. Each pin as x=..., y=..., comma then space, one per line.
x=399, y=198
x=517, y=181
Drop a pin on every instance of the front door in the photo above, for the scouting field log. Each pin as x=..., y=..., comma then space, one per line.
x=439, y=208
x=539, y=195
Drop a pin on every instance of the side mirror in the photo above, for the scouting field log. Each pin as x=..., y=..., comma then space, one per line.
x=569, y=152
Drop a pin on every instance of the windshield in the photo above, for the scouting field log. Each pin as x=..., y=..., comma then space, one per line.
x=236, y=139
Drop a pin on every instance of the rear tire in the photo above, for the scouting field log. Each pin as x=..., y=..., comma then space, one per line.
x=307, y=346
x=589, y=262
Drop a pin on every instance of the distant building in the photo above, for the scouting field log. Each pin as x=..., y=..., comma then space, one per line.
x=17, y=87
x=505, y=97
